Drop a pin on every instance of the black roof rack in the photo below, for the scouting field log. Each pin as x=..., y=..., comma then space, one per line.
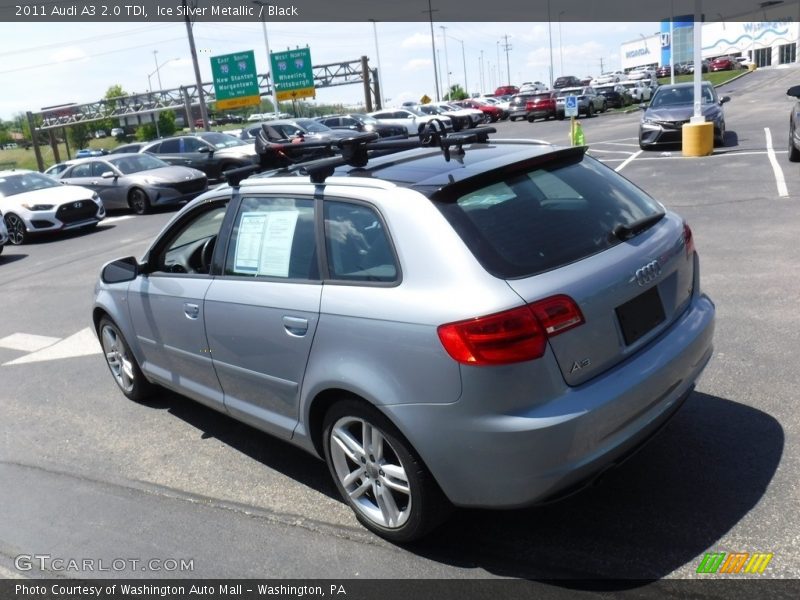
x=356, y=151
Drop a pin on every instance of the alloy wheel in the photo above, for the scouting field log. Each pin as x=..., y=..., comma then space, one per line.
x=16, y=230
x=371, y=473
x=118, y=359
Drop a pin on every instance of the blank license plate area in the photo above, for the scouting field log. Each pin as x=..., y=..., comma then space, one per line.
x=640, y=315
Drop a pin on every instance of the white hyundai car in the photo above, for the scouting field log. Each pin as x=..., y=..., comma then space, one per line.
x=32, y=203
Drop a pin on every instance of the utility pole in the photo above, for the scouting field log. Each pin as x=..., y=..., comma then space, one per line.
x=198, y=81
x=601, y=66
x=430, y=12
x=446, y=61
x=507, y=47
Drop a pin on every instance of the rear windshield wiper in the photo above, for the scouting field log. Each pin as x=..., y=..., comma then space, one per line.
x=626, y=232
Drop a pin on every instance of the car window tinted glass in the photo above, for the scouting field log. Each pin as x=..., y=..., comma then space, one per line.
x=82, y=170
x=193, y=144
x=312, y=126
x=540, y=220
x=168, y=146
x=273, y=237
x=221, y=140
x=26, y=182
x=357, y=245
x=140, y=162
x=668, y=96
x=99, y=167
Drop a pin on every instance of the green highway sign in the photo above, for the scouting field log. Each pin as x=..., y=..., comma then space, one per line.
x=292, y=74
x=235, y=80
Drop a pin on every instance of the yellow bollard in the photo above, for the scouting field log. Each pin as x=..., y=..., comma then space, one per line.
x=697, y=139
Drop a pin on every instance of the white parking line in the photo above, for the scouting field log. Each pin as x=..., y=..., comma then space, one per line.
x=82, y=343
x=783, y=191
x=628, y=160
x=115, y=219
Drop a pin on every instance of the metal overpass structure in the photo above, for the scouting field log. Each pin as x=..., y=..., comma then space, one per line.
x=144, y=108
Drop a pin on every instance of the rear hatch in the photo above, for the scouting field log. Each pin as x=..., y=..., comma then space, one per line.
x=573, y=227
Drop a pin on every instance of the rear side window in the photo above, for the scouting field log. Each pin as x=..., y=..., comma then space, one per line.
x=539, y=220
x=357, y=245
x=173, y=145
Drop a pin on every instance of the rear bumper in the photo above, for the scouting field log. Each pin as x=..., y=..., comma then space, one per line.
x=482, y=457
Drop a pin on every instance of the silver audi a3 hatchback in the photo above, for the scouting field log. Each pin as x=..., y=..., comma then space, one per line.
x=474, y=323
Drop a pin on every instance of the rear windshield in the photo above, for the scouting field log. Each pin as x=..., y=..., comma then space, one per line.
x=548, y=217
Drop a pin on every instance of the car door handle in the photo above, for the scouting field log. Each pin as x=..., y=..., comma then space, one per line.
x=192, y=311
x=295, y=326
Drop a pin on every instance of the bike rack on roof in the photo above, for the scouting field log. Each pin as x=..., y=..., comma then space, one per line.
x=356, y=151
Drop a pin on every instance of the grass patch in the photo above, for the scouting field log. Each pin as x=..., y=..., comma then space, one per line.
x=716, y=78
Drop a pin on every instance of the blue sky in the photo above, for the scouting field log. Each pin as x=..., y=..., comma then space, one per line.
x=44, y=64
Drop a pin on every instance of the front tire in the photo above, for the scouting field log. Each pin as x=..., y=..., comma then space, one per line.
x=122, y=363
x=794, y=153
x=379, y=475
x=17, y=233
x=138, y=201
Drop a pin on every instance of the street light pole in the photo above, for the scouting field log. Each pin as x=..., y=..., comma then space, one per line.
x=271, y=75
x=158, y=72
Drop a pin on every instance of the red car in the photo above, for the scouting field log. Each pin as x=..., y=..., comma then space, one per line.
x=506, y=90
x=723, y=63
x=492, y=112
x=541, y=105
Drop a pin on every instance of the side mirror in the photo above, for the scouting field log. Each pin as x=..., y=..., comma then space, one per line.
x=794, y=91
x=724, y=99
x=120, y=271
x=109, y=175
x=205, y=150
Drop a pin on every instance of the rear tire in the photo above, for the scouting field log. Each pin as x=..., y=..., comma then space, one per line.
x=378, y=473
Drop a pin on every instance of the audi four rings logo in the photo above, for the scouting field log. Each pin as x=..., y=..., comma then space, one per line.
x=648, y=273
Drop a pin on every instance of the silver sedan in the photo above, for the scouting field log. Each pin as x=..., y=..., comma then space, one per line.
x=137, y=181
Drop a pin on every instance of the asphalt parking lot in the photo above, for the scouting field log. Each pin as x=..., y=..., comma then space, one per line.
x=90, y=474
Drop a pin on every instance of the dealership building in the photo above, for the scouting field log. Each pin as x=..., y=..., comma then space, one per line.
x=766, y=42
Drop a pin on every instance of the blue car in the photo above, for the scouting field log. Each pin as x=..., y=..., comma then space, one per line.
x=88, y=152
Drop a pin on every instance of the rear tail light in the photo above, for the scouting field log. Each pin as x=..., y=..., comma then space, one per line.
x=688, y=239
x=511, y=336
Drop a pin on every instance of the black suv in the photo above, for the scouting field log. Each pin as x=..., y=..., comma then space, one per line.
x=566, y=81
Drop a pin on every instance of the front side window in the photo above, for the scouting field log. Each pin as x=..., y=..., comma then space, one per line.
x=189, y=248
x=273, y=237
x=357, y=244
